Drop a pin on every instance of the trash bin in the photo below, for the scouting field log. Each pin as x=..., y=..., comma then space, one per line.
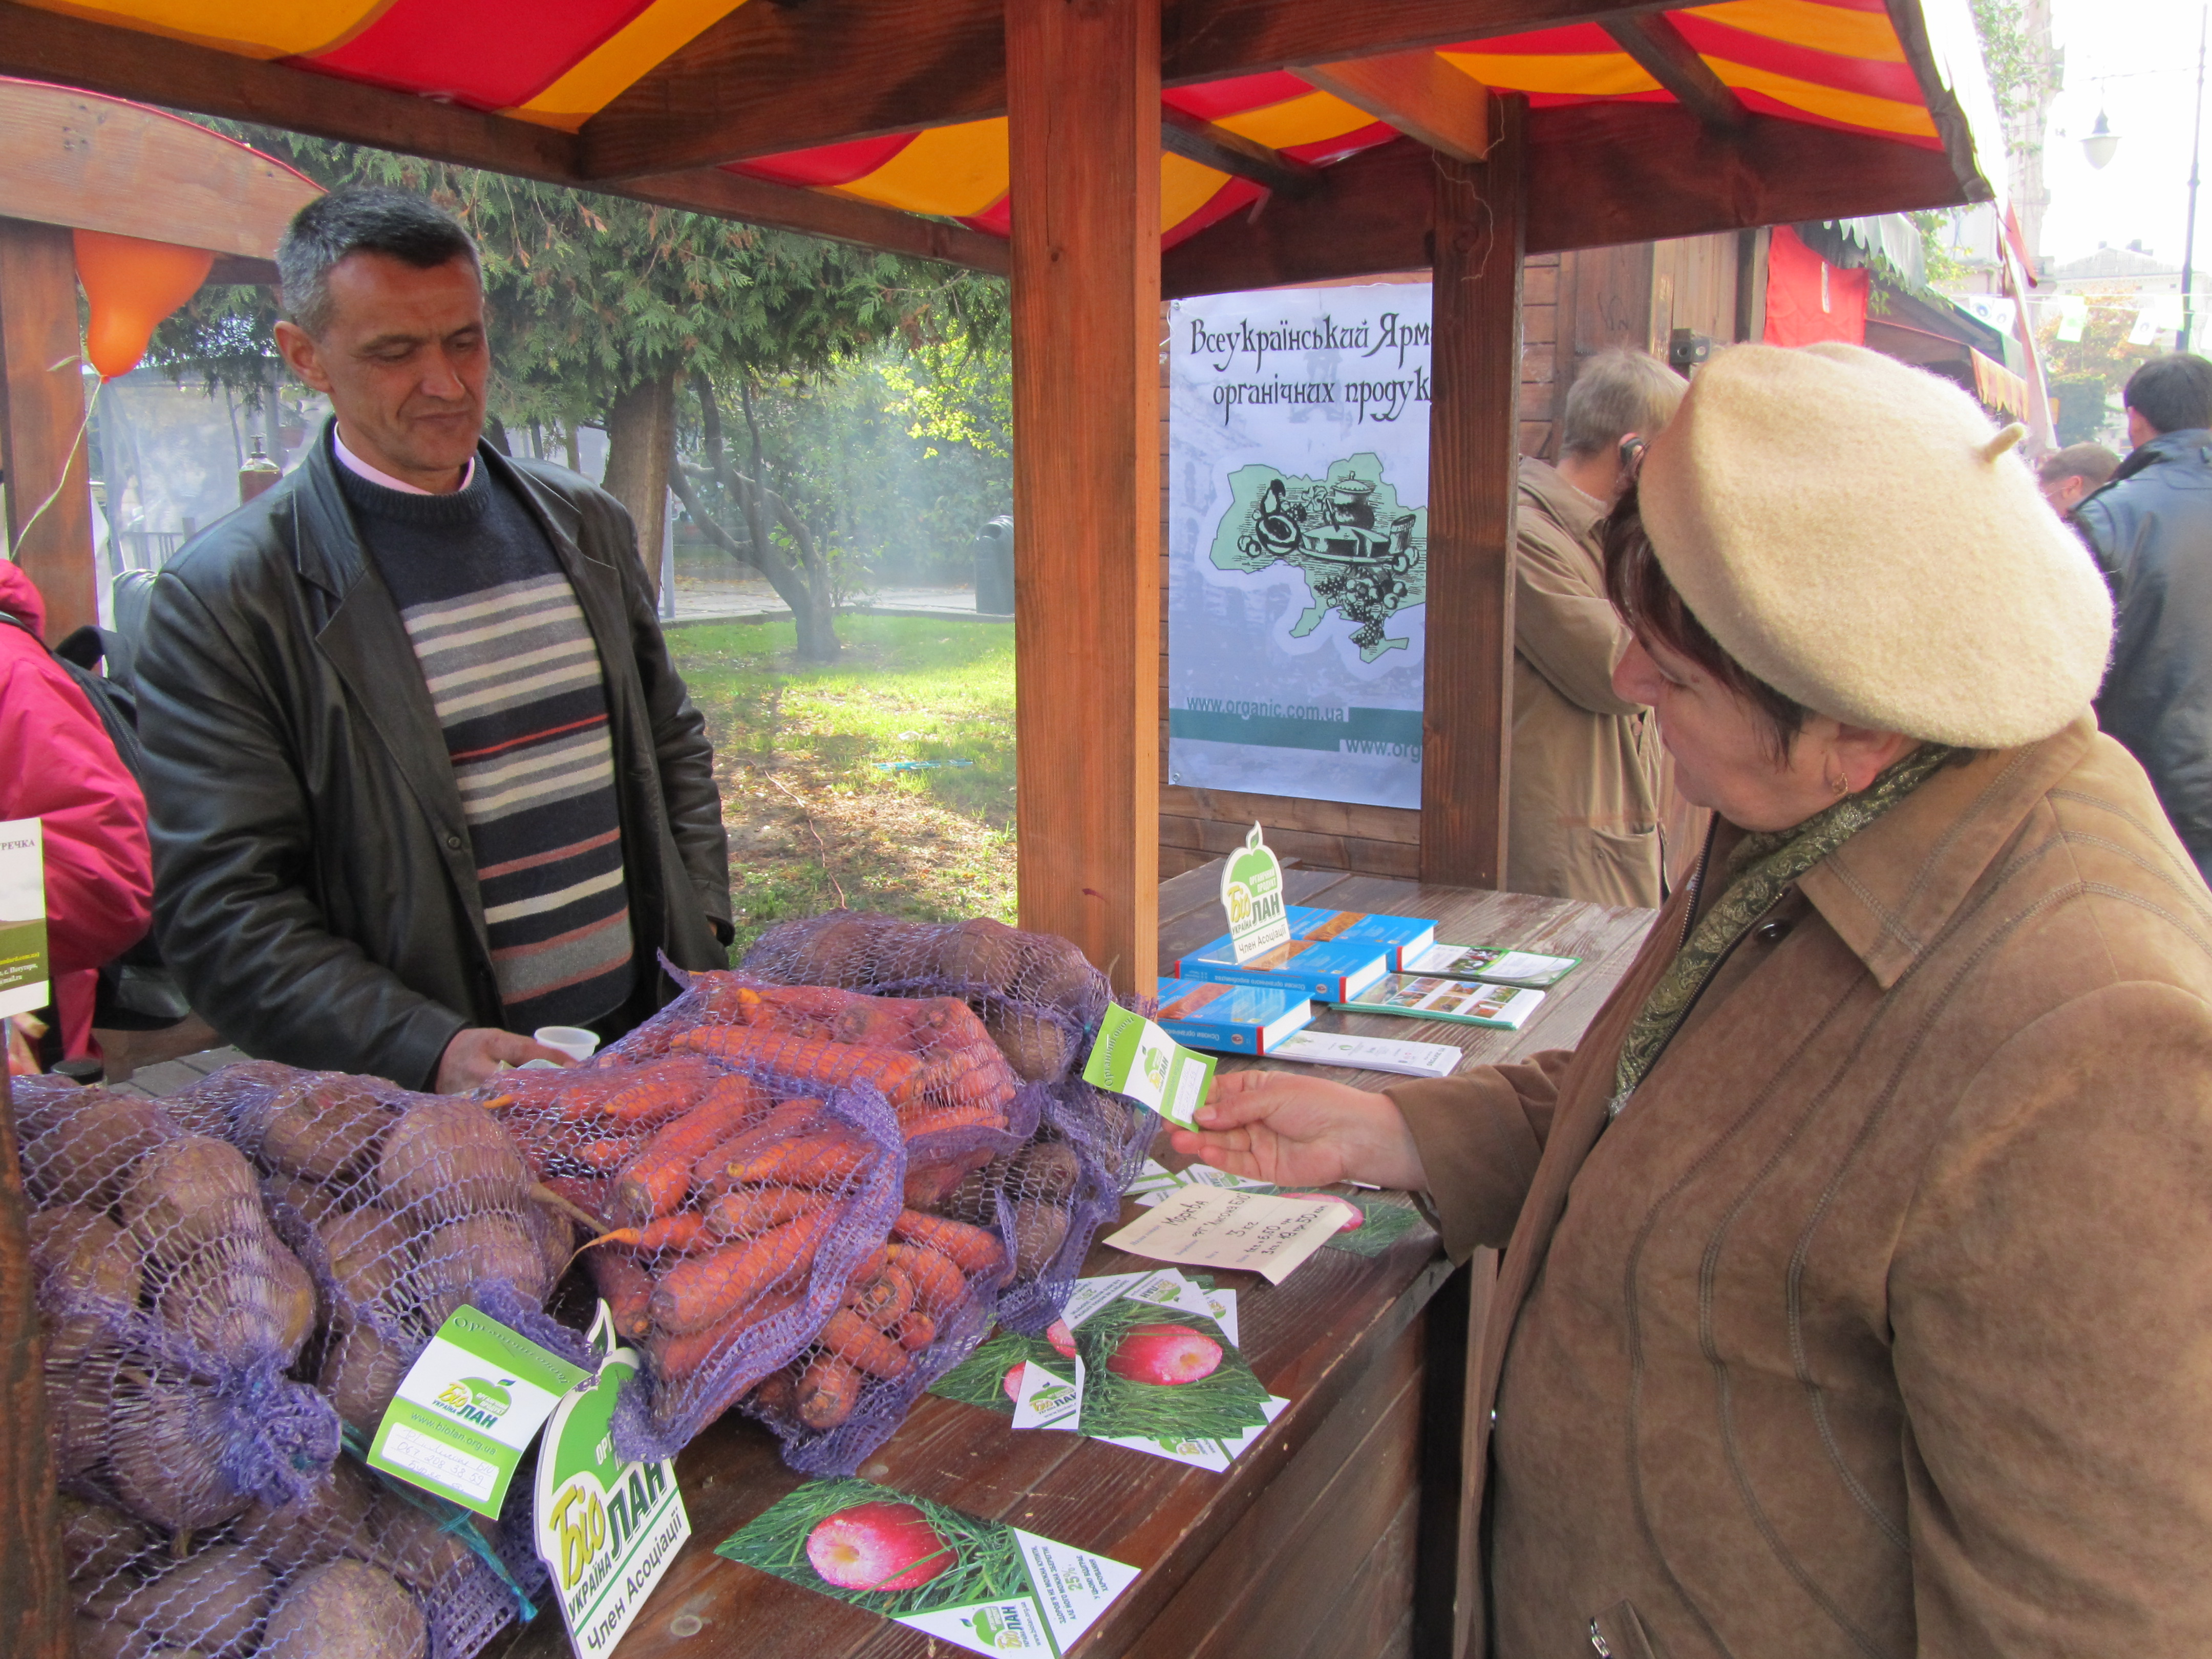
x=994, y=567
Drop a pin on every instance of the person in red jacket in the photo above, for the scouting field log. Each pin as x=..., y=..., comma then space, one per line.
x=62, y=768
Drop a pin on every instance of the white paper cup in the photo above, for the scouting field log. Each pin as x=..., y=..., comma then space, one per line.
x=571, y=1040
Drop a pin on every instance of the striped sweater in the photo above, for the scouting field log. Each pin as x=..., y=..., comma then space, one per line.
x=516, y=681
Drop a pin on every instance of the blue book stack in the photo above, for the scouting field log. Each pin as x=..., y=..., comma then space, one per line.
x=1326, y=972
x=1230, y=1019
x=1402, y=936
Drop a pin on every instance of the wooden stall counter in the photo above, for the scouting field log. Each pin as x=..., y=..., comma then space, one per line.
x=1333, y=1538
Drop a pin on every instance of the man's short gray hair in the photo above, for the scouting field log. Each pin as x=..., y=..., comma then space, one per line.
x=1616, y=393
x=361, y=219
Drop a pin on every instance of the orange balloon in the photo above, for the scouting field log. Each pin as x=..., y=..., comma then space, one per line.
x=132, y=284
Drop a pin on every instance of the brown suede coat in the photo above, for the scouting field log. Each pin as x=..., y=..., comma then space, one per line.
x=1880, y=1322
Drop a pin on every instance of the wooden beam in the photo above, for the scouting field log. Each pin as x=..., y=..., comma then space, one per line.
x=1084, y=130
x=129, y=63
x=35, y=1615
x=43, y=450
x=1660, y=51
x=236, y=269
x=92, y=162
x=766, y=79
x=1201, y=141
x=1418, y=93
x=1467, y=723
x=1599, y=175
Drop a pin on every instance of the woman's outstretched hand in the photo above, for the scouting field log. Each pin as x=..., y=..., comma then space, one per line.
x=1303, y=1132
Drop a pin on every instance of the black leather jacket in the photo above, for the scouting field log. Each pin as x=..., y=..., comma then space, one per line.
x=314, y=889
x=2151, y=530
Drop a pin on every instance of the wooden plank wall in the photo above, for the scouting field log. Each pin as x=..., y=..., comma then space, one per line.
x=1573, y=305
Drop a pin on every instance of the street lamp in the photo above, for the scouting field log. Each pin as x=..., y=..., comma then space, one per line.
x=2100, y=143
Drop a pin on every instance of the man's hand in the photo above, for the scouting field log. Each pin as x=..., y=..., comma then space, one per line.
x=475, y=1052
x=1303, y=1132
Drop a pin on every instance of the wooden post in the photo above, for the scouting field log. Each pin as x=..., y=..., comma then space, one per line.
x=1467, y=730
x=1084, y=124
x=41, y=417
x=34, y=1601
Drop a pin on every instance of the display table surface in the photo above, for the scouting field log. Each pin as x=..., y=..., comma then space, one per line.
x=1334, y=1535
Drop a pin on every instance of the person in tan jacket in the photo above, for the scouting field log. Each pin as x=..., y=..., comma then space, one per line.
x=1857, y=1294
x=1593, y=798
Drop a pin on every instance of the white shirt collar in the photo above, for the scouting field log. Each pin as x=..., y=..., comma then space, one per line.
x=359, y=468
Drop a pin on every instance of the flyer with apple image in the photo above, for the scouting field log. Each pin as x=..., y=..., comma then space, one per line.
x=979, y=1584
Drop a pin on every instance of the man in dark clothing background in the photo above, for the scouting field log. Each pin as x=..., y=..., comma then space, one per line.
x=2151, y=530
x=2067, y=476
x=422, y=776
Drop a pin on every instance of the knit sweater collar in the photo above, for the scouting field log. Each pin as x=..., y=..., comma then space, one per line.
x=464, y=508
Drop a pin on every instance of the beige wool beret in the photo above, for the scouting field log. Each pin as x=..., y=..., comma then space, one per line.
x=1856, y=534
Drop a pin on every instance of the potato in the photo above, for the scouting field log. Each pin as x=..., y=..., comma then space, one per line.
x=842, y=952
x=975, y=1200
x=1045, y=1170
x=346, y=1611
x=99, y=1543
x=980, y=952
x=80, y=1365
x=1040, y=1229
x=98, y=1637
x=82, y=1158
x=368, y=1255
x=77, y=1250
x=451, y=1159
x=214, y=1603
x=1037, y=1048
x=165, y=1444
x=334, y=1518
x=241, y=1300
x=322, y=1128
x=190, y=1192
x=557, y=1238
x=43, y=1099
x=1053, y=971
x=453, y=1259
x=362, y=1372
x=413, y=1548
x=316, y=1204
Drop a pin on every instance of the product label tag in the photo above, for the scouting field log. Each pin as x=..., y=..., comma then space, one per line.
x=468, y=1409
x=607, y=1530
x=23, y=980
x=1134, y=1057
x=1252, y=893
x=1213, y=1227
x=1049, y=1399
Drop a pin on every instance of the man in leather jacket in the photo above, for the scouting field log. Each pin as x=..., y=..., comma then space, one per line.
x=420, y=773
x=2151, y=530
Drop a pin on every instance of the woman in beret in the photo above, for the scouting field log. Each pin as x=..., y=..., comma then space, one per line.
x=1857, y=1294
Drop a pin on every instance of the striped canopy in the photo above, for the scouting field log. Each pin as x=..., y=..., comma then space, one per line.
x=1829, y=62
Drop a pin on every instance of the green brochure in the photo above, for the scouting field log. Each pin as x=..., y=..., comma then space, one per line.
x=469, y=1408
x=22, y=917
x=1134, y=1057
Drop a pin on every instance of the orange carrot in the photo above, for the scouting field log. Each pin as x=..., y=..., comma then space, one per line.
x=817, y=1160
x=627, y=1288
x=914, y=1125
x=586, y=1192
x=828, y=1392
x=611, y=1153
x=917, y=1331
x=847, y=1336
x=870, y=1264
x=786, y=1119
x=648, y=1096
x=743, y=1211
x=656, y=1183
x=775, y=1397
x=816, y=1059
x=939, y=1285
x=702, y=1289
x=974, y=1249
x=683, y=1232
x=883, y=1297
x=675, y=1357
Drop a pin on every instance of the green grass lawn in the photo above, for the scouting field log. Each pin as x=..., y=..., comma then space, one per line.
x=814, y=820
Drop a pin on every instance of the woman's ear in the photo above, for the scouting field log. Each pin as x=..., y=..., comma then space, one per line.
x=1865, y=754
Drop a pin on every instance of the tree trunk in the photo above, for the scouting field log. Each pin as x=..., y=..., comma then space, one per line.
x=640, y=448
x=816, y=623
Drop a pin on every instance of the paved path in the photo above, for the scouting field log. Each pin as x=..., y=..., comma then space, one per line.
x=700, y=599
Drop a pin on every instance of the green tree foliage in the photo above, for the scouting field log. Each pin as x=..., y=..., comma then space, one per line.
x=2084, y=373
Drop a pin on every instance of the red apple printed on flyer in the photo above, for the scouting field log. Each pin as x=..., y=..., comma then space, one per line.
x=981, y=1584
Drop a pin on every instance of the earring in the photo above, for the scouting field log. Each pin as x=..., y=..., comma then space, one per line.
x=1839, y=784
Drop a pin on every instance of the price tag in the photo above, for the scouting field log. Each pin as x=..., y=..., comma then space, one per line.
x=23, y=985
x=608, y=1530
x=468, y=1409
x=1252, y=893
x=1134, y=1057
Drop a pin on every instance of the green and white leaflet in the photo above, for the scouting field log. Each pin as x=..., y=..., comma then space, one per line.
x=1134, y=1057
x=606, y=1529
x=468, y=1409
x=23, y=983
x=1252, y=894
